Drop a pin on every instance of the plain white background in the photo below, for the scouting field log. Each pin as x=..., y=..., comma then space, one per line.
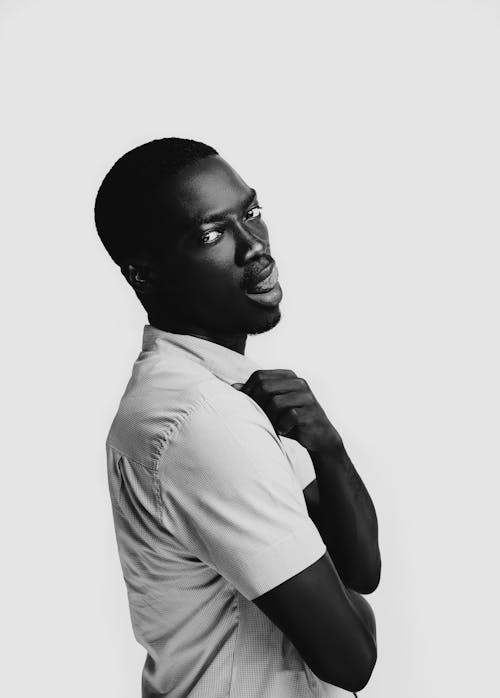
x=371, y=132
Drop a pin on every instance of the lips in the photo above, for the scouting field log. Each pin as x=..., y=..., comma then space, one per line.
x=269, y=278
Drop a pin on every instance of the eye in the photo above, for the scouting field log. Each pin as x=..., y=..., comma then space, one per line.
x=209, y=232
x=254, y=212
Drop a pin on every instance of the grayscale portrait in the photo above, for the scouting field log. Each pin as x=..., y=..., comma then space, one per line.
x=251, y=348
x=247, y=538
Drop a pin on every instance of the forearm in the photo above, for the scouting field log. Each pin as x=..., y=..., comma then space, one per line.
x=345, y=514
x=347, y=519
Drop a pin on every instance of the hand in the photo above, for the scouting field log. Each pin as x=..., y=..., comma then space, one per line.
x=291, y=408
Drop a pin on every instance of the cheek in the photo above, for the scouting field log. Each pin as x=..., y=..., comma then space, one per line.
x=214, y=281
x=214, y=271
x=221, y=284
x=207, y=277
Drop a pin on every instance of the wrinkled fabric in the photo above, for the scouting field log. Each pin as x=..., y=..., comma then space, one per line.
x=209, y=514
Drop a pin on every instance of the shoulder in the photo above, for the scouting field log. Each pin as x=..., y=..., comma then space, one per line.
x=158, y=399
x=229, y=404
x=231, y=413
x=227, y=439
x=218, y=416
x=161, y=404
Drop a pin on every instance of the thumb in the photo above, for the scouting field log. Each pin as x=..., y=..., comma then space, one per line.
x=237, y=385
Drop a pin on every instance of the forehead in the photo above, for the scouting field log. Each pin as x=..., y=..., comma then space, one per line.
x=205, y=189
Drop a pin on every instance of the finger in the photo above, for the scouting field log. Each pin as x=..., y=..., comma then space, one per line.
x=261, y=375
x=274, y=386
x=264, y=390
x=278, y=404
x=282, y=401
x=238, y=386
x=287, y=421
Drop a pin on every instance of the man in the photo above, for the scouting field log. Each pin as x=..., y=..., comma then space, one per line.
x=246, y=536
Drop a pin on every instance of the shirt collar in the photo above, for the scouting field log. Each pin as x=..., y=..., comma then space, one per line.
x=227, y=364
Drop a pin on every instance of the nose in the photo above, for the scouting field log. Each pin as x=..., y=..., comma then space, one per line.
x=249, y=244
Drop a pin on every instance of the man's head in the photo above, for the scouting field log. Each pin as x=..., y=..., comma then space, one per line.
x=188, y=235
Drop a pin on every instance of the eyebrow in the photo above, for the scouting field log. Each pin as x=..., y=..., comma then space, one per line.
x=213, y=217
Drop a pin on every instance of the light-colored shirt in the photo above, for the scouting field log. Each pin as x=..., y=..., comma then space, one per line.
x=209, y=513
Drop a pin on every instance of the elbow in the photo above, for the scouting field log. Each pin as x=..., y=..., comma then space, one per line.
x=370, y=582
x=354, y=673
x=367, y=582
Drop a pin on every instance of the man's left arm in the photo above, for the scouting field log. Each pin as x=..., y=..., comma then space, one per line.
x=337, y=500
x=343, y=512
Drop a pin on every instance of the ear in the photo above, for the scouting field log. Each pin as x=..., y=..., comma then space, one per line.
x=140, y=276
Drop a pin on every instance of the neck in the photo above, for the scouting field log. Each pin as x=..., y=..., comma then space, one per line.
x=234, y=341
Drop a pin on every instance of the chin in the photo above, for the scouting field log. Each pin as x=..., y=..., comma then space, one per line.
x=264, y=324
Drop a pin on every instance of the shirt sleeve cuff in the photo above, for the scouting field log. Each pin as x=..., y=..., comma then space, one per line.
x=275, y=564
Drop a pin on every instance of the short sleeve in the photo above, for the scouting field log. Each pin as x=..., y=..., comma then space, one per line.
x=230, y=496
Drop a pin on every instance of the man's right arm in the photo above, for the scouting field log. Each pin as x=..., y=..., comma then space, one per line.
x=331, y=626
x=233, y=501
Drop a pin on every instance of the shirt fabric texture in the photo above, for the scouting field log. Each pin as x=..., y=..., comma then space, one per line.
x=209, y=513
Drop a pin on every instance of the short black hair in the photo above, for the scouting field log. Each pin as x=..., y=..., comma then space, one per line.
x=123, y=213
